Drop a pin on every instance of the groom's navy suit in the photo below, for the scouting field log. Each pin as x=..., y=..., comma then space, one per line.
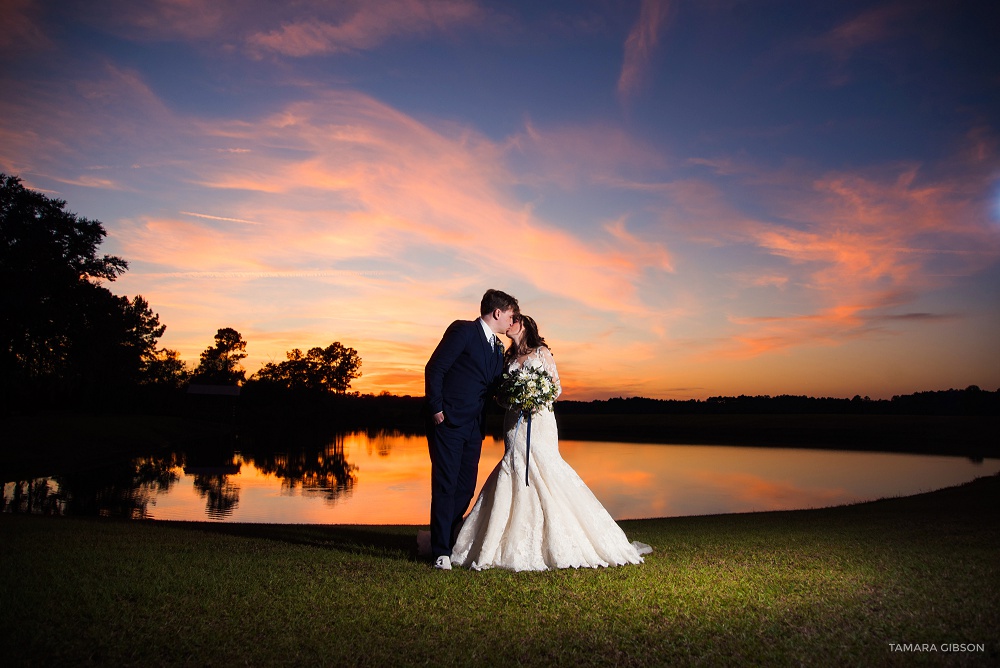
x=457, y=379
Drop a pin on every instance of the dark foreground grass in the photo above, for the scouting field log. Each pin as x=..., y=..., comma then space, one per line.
x=818, y=587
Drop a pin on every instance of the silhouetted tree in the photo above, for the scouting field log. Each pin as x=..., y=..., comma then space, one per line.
x=61, y=332
x=117, y=341
x=166, y=369
x=329, y=369
x=220, y=364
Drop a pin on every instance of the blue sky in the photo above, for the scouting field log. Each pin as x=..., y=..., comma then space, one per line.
x=691, y=198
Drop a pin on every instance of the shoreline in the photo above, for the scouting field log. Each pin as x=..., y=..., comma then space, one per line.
x=992, y=479
x=985, y=487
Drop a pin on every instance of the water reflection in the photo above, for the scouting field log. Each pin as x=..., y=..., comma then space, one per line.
x=384, y=478
x=222, y=495
x=326, y=473
x=120, y=490
x=40, y=496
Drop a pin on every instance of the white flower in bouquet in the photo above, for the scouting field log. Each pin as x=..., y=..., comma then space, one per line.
x=528, y=389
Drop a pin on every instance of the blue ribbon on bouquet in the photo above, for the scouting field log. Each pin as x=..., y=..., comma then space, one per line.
x=527, y=446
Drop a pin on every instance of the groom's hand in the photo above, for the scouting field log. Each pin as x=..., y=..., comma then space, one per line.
x=439, y=417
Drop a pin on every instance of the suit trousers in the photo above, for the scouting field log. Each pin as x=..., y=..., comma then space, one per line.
x=455, y=452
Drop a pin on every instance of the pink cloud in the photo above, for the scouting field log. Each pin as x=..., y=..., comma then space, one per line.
x=840, y=252
x=165, y=19
x=872, y=25
x=869, y=28
x=403, y=183
x=267, y=211
x=22, y=31
x=635, y=251
x=640, y=45
x=868, y=245
x=326, y=27
x=341, y=218
x=368, y=25
x=96, y=132
x=576, y=156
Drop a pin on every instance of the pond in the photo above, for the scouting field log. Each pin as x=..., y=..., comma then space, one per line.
x=384, y=478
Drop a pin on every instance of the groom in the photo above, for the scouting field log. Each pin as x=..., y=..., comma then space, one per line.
x=457, y=379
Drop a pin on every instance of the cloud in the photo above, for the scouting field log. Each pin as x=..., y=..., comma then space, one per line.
x=91, y=131
x=867, y=30
x=865, y=245
x=576, y=156
x=336, y=204
x=21, y=31
x=222, y=218
x=635, y=251
x=367, y=25
x=871, y=26
x=401, y=185
x=336, y=216
x=305, y=28
x=640, y=46
x=162, y=20
x=827, y=257
x=920, y=317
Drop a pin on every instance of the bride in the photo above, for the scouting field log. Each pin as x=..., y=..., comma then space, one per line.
x=548, y=518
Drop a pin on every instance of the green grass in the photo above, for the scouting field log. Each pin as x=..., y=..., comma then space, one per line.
x=816, y=587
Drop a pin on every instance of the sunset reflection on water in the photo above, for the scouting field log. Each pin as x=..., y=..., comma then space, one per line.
x=384, y=478
x=391, y=481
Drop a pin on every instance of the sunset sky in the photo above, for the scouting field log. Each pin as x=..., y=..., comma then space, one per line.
x=693, y=197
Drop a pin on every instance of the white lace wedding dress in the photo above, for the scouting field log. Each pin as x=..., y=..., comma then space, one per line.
x=553, y=522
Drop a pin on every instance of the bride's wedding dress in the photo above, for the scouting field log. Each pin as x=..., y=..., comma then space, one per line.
x=553, y=522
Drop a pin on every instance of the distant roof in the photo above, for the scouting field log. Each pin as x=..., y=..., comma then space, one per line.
x=226, y=390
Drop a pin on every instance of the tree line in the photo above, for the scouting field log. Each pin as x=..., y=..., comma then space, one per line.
x=329, y=369
x=67, y=340
x=970, y=401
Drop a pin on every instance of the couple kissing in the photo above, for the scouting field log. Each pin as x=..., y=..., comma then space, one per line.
x=534, y=512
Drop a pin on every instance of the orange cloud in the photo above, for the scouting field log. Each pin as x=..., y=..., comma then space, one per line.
x=332, y=219
x=846, y=250
x=402, y=184
x=339, y=217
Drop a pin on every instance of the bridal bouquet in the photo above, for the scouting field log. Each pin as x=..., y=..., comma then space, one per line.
x=528, y=389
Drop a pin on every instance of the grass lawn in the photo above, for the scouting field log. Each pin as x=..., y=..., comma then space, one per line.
x=816, y=587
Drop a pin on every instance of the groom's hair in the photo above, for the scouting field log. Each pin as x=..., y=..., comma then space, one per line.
x=495, y=299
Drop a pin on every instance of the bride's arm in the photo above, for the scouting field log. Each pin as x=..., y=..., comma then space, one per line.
x=549, y=364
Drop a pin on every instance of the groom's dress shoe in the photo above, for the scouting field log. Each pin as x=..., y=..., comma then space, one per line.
x=443, y=563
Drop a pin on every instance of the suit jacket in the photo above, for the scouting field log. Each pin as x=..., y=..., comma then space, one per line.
x=459, y=374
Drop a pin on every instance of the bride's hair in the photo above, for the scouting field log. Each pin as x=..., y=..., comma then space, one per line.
x=532, y=339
